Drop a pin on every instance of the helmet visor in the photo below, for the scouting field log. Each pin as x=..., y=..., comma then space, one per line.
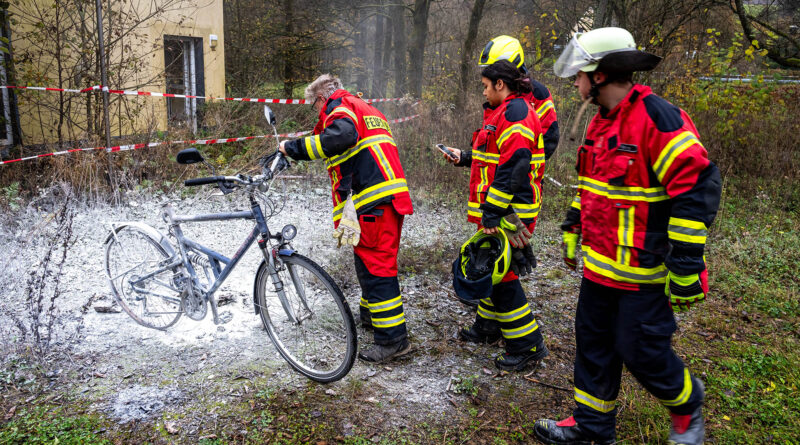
x=572, y=59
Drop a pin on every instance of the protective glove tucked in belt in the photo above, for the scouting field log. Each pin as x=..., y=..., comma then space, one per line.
x=684, y=290
x=348, y=232
x=568, y=246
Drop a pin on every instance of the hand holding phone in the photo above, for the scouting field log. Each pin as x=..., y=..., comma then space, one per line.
x=448, y=152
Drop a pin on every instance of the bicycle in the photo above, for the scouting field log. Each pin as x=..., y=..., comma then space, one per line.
x=302, y=309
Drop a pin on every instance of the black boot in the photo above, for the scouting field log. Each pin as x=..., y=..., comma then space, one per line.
x=565, y=432
x=473, y=335
x=517, y=362
x=384, y=353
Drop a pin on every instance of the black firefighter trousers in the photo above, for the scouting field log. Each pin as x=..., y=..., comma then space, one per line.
x=615, y=327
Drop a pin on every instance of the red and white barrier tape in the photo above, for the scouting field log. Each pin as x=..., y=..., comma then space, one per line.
x=189, y=141
x=187, y=96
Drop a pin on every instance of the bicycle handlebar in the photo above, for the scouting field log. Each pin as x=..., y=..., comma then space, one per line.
x=203, y=181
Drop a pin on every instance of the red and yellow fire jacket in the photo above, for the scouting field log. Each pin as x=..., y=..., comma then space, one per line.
x=542, y=103
x=507, y=164
x=646, y=195
x=360, y=154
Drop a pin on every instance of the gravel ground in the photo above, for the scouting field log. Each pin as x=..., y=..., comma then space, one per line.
x=132, y=373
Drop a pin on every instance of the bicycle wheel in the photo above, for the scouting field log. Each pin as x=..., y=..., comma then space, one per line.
x=142, y=285
x=313, y=329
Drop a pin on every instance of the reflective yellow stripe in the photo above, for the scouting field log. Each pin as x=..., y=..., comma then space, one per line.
x=333, y=161
x=389, y=321
x=489, y=158
x=607, y=267
x=363, y=302
x=498, y=198
x=516, y=129
x=625, y=229
x=484, y=179
x=672, y=150
x=386, y=305
x=683, y=397
x=526, y=210
x=313, y=146
x=624, y=255
x=346, y=111
x=651, y=194
x=487, y=301
x=589, y=400
x=544, y=108
x=522, y=210
x=378, y=151
x=576, y=202
x=521, y=331
x=537, y=158
x=473, y=209
x=378, y=191
x=337, y=211
x=686, y=230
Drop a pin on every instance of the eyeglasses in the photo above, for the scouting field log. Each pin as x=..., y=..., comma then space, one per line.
x=314, y=105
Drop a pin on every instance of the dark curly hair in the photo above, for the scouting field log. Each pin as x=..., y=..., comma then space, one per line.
x=510, y=74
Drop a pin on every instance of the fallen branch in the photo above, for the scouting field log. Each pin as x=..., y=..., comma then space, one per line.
x=560, y=388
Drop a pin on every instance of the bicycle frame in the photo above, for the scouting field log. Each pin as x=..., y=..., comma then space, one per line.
x=186, y=245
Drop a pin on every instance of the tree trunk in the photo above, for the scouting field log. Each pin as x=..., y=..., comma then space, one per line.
x=288, y=57
x=416, y=52
x=360, y=56
x=399, y=31
x=468, y=52
x=385, y=54
x=377, y=55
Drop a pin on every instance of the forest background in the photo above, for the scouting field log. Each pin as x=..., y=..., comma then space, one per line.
x=732, y=65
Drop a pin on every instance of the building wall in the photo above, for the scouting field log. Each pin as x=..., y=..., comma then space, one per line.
x=39, y=114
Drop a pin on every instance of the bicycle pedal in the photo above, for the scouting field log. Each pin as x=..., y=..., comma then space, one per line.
x=224, y=317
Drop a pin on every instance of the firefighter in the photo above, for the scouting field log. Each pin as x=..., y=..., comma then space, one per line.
x=506, y=168
x=509, y=48
x=364, y=167
x=647, y=195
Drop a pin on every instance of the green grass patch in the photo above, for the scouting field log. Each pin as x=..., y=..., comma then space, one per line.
x=51, y=425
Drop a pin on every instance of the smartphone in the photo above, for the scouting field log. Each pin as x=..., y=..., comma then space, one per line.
x=450, y=153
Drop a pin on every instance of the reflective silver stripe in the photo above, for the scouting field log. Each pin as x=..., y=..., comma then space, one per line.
x=491, y=158
x=387, y=168
x=389, y=322
x=688, y=231
x=521, y=331
x=593, y=402
x=486, y=313
x=386, y=305
x=513, y=315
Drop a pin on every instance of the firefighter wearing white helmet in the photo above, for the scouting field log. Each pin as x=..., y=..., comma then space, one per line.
x=647, y=195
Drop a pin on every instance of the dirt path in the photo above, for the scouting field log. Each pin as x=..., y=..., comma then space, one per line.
x=196, y=372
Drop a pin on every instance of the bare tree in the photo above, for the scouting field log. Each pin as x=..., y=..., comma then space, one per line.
x=416, y=52
x=467, y=54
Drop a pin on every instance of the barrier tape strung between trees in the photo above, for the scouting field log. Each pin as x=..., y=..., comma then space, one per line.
x=189, y=141
x=183, y=96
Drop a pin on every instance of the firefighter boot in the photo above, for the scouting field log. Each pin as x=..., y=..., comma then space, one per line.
x=473, y=335
x=565, y=432
x=690, y=428
x=383, y=353
x=517, y=362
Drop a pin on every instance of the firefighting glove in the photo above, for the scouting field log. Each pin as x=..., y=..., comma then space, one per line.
x=516, y=232
x=348, y=231
x=568, y=246
x=683, y=291
x=523, y=261
x=266, y=163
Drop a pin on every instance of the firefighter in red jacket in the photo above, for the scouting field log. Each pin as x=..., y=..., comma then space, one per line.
x=507, y=164
x=509, y=48
x=647, y=195
x=363, y=163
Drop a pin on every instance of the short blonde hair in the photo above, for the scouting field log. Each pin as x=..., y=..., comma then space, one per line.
x=324, y=85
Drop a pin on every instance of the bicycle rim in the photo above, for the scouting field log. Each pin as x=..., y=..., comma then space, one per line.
x=321, y=342
x=154, y=302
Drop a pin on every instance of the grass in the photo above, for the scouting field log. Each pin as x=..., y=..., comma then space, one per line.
x=52, y=425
